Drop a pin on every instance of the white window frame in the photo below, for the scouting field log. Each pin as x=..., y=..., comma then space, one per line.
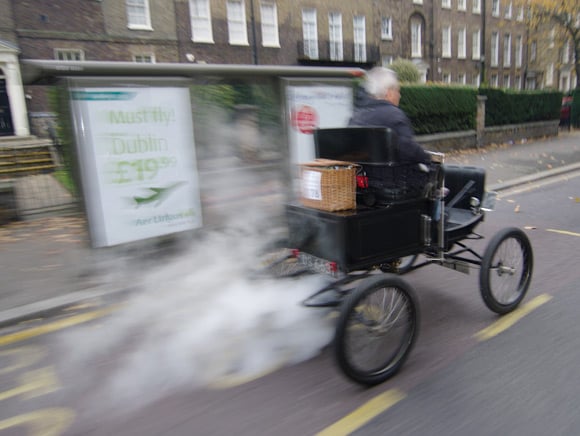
x=519, y=51
x=418, y=2
x=446, y=4
x=140, y=20
x=446, y=78
x=310, y=33
x=494, y=55
x=461, y=43
x=506, y=82
x=446, y=42
x=549, y=75
x=533, y=51
x=69, y=54
x=416, y=38
x=507, y=50
x=269, y=24
x=359, y=38
x=387, y=28
x=335, y=40
x=387, y=60
x=495, y=8
x=476, y=45
x=461, y=5
x=494, y=80
x=145, y=58
x=462, y=78
x=520, y=15
x=518, y=82
x=476, y=80
x=508, y=11
x=476, y=8
x=200, y=18
x=566, y=52
x=237, y=24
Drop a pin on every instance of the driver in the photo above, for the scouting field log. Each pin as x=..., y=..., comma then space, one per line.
x=377, y=105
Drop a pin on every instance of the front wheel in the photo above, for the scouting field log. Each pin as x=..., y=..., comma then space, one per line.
x=376, y=329
x=506, y=270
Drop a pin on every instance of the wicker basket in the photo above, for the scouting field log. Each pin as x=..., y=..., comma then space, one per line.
x=328, y=185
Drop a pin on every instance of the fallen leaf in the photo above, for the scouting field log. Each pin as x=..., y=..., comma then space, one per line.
x=511, y=201
x=517, y=208
x=530, y=227
x=549, y=166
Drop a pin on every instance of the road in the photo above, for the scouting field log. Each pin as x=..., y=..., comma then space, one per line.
x=200, y=356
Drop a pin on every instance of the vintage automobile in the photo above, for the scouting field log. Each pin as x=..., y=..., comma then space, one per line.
x=402, y=213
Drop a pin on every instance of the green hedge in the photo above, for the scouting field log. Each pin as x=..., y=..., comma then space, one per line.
x=439, y=108
x=504, y=106
x=575, y=112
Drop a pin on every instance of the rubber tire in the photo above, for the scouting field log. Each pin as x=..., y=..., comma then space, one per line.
x=367, y=287
x=486, y=270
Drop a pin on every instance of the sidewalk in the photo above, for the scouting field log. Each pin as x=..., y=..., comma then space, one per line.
x=47, y=263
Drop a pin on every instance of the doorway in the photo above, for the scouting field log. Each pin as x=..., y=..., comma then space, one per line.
x=6, y=126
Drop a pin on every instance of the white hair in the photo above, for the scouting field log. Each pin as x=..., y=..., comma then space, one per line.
x=379, y=80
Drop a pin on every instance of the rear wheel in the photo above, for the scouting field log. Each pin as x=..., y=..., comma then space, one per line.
x=376, y=329
x=506, y=270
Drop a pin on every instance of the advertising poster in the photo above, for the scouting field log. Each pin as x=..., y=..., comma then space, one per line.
x=137, y=158
x=311, y=107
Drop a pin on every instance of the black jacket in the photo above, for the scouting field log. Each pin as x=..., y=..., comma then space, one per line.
x=369, y=111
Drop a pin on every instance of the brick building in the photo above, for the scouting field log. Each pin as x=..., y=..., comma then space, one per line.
x=454, y=41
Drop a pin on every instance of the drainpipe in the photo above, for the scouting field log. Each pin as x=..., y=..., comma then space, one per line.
x=254, y=43
x=483, y=22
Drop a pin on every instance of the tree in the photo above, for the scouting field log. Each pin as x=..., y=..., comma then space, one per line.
x=561, y=18
x=406, y=70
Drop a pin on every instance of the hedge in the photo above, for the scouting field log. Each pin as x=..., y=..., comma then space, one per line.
x=439, y=108
x=504, y=106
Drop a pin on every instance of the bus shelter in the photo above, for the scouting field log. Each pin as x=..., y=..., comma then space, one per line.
x=159, y=149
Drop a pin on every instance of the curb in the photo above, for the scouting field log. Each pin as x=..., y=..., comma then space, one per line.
x=534, y=177
x=53, y=305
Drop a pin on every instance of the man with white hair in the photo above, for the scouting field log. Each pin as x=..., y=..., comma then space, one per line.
x=379, y=107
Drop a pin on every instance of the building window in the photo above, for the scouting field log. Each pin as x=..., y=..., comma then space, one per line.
x=144, y=58
x=446, y=42
x=360, y=41
x=461, y=5
x=476, y=80
x=310, y=33
x=533, y=51
x=237, y=30
x=446, y=4
x=418, y=2
x=518, y=82
x=138, y=16
x=495, y=8
x=461, y=79
x=269, y=18
x=550, y=75
x=416, y=38
x=506, y=81
x=387, y=60
x=476, y=7
x=200, y=17
x=494, y=49
x=507, y=50
x=387, y=28
x=461, y=49
x=494, y=80
x=566, y=52
x=476, y=45
x=552, y=38
x=335, y=35
x=65, y=54
x=520, y=16
x=519, y=50
x=446, y=78
x=508, y=11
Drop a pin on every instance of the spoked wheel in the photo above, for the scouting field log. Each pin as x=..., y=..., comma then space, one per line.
x=506, y=270
x=401, y=266
x=376, y=329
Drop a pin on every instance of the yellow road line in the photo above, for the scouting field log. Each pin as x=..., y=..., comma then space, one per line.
x=364, y=414
x=563, y=232
x=53, y=326
x=510, y=319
